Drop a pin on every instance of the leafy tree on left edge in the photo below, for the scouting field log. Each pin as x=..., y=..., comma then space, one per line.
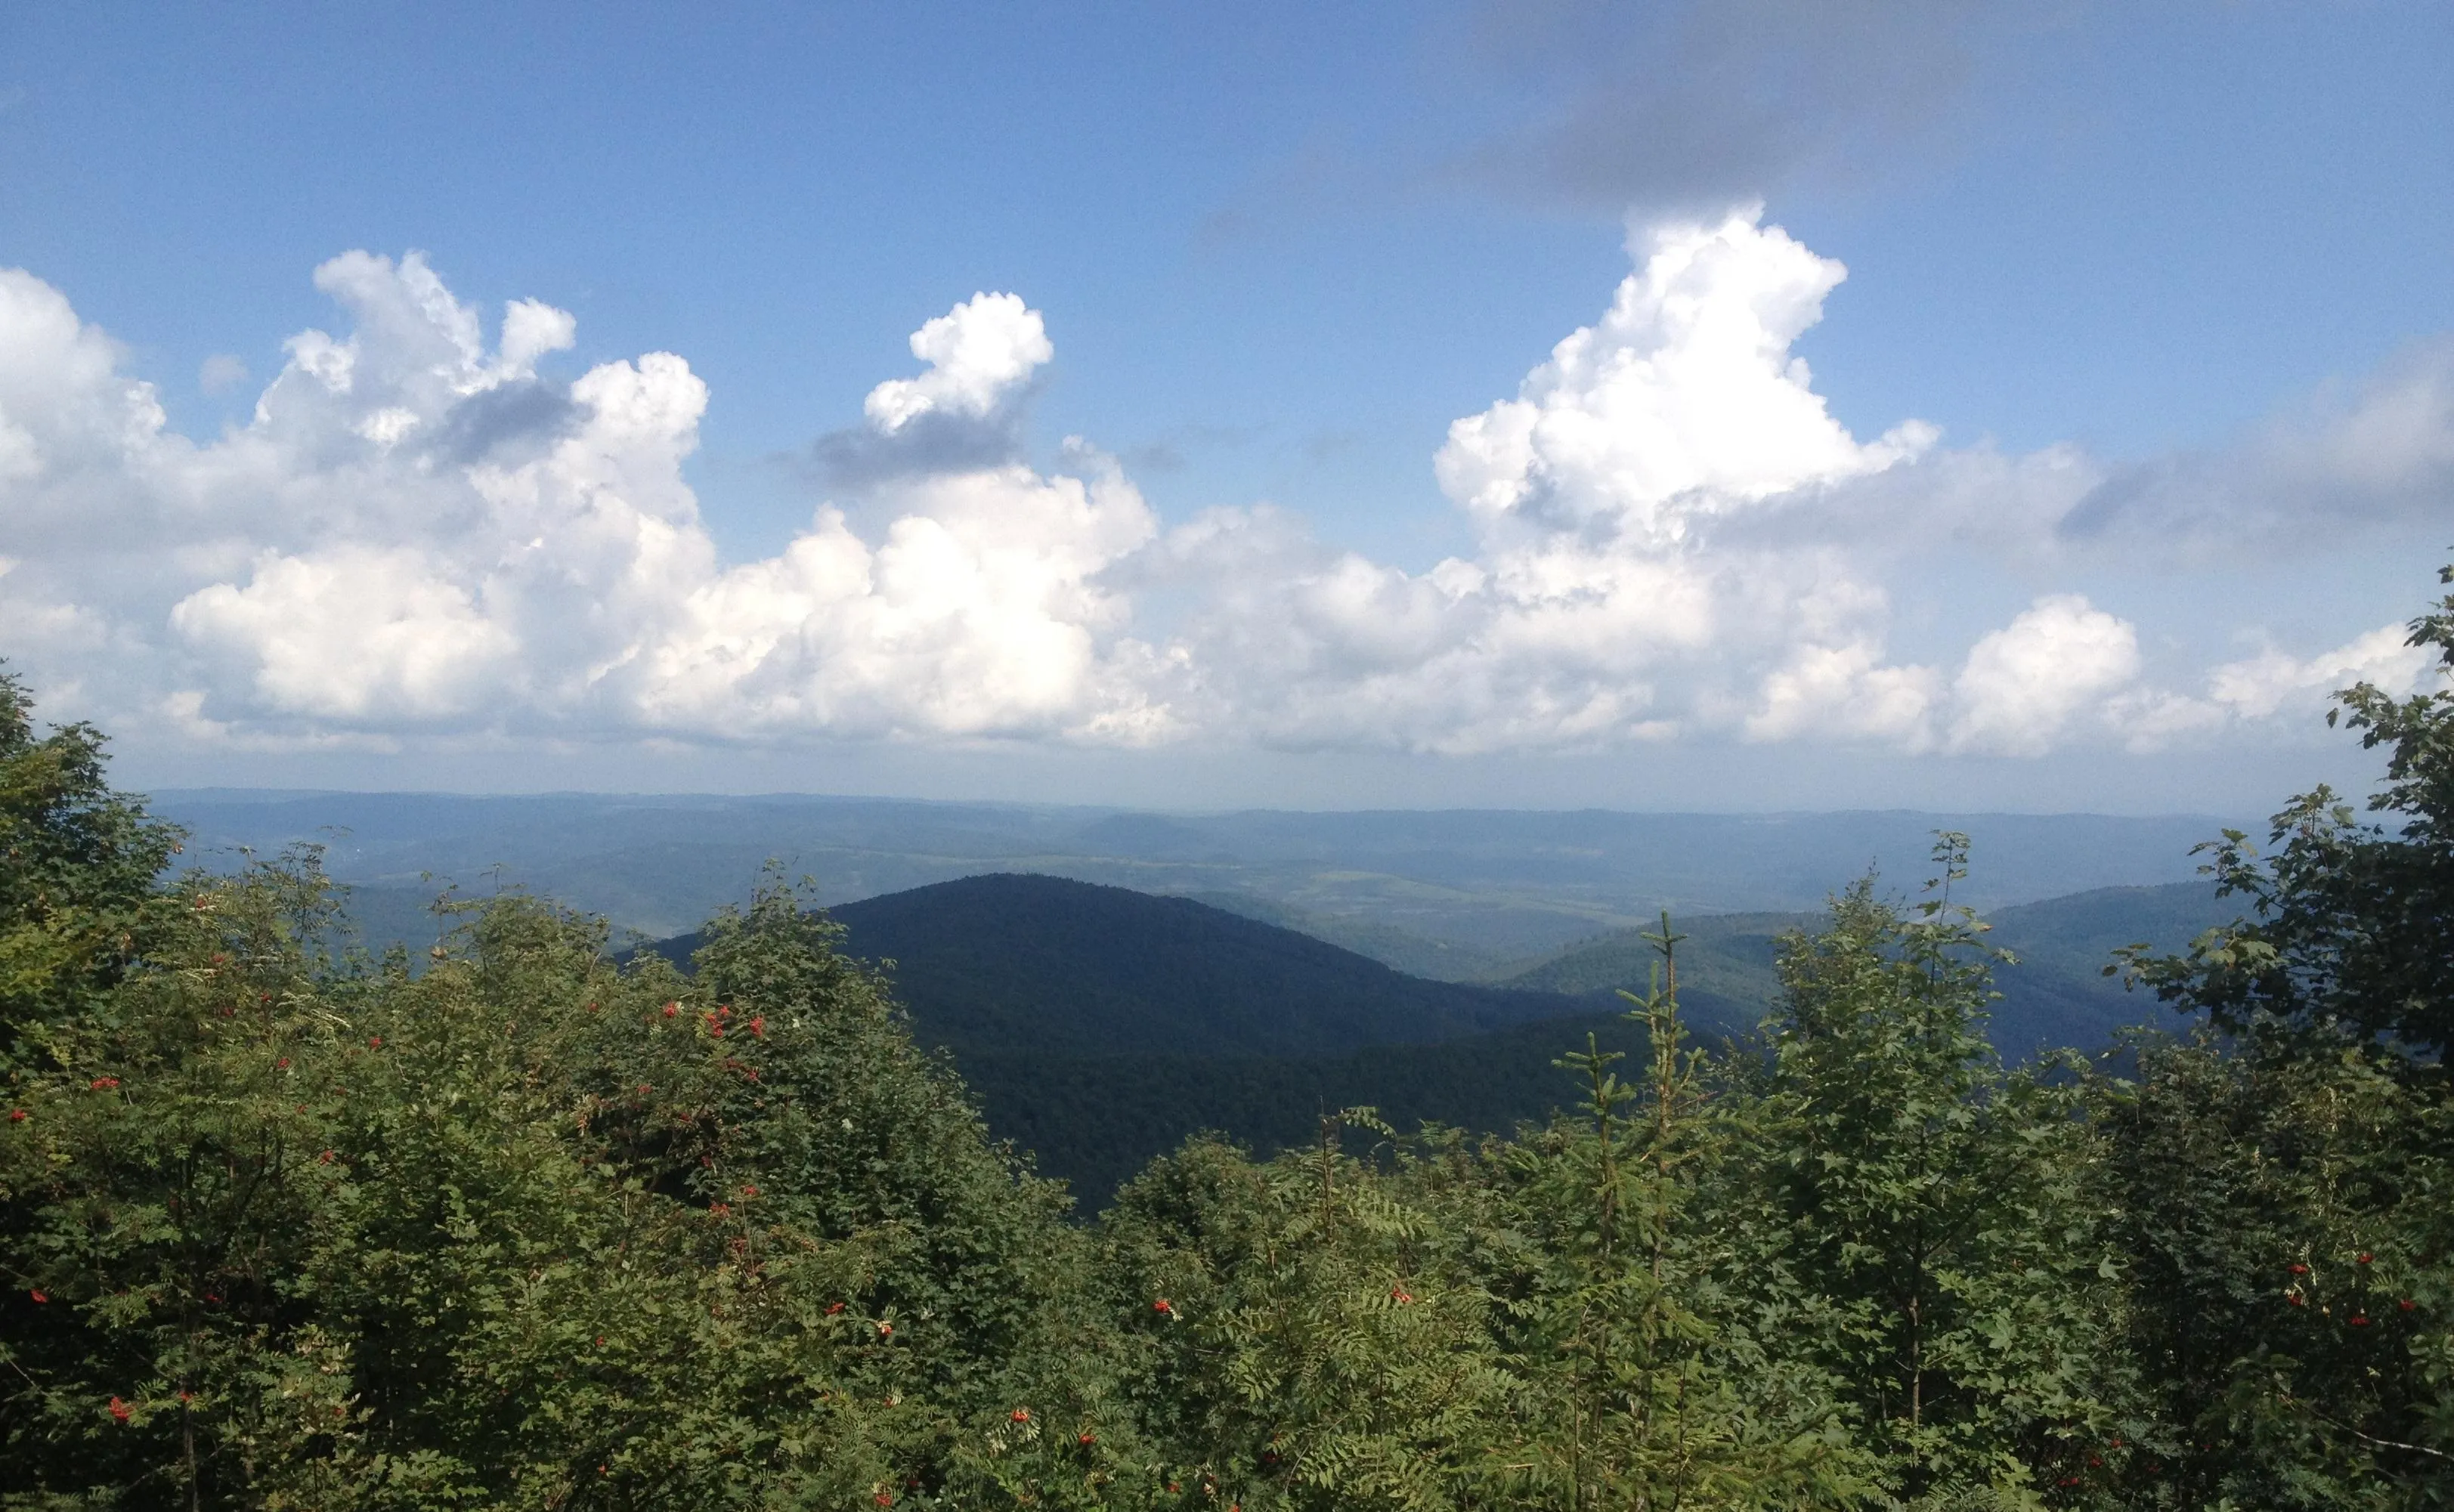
x=77, y=867
x=524, y=1230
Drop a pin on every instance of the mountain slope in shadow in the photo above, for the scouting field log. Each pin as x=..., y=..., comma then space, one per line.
x=1018, y=964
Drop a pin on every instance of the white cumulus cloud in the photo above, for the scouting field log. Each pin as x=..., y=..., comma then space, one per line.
x=2023, y=685
x=1684, y=401
x=2274, y=679
x=417, y=532
x=1611, y=599
x=978, y=353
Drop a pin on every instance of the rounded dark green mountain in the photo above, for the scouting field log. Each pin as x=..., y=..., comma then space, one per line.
x=1015, y=962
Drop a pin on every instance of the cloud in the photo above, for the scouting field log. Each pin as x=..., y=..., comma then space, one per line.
x=1683, y=402
x=2023, y=685
x=978, y=353
x=1689, y=106
x=978, y=613
x=352, y=633
x=1606, y=603
x=2273, y=681
x=2274, y=684
x=424, y=532
x=2355, y=455
x=963, y=415
x=417, y=532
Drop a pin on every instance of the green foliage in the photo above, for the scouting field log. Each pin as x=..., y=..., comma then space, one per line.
x=1672, y=1374
x=518, y=1231
x=1946, y=1213
x=2287, y=1177
x=77, y=864
x=2286, y=1222
x=2353, y=926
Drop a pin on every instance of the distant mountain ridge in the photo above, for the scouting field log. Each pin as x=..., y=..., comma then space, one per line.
x=1453, y=894
x=1012, y=963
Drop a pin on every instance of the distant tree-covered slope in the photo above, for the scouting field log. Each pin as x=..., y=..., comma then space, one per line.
x=2057, y=995
x=1014, y=964
x=2079, y=933
x=1727, y=955
x=1399, y=949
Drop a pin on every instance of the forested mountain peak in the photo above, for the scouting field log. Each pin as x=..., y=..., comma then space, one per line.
x=1013, y=962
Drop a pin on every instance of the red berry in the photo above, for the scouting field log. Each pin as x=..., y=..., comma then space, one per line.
x=1161, y=1307
x=2364, y=1257
x=886, y=1330
x=2358, y=1320
x=39, y=1297
x=119, y=1409
x=374, y=1042
x=2407, y=1304
x=105, y=1083
x=672, y=1008
x=833, y=1308
x=2294, y=1298
x=16, y=1114
x=2297, y=1269
x=1086, y=1440
x=1020, y=1414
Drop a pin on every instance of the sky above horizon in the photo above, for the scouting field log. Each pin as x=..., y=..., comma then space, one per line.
x=1752, y=404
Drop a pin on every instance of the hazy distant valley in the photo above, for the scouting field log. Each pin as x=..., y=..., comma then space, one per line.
x=1450, y=895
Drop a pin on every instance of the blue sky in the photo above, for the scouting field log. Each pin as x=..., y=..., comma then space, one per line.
x=2193, y=254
